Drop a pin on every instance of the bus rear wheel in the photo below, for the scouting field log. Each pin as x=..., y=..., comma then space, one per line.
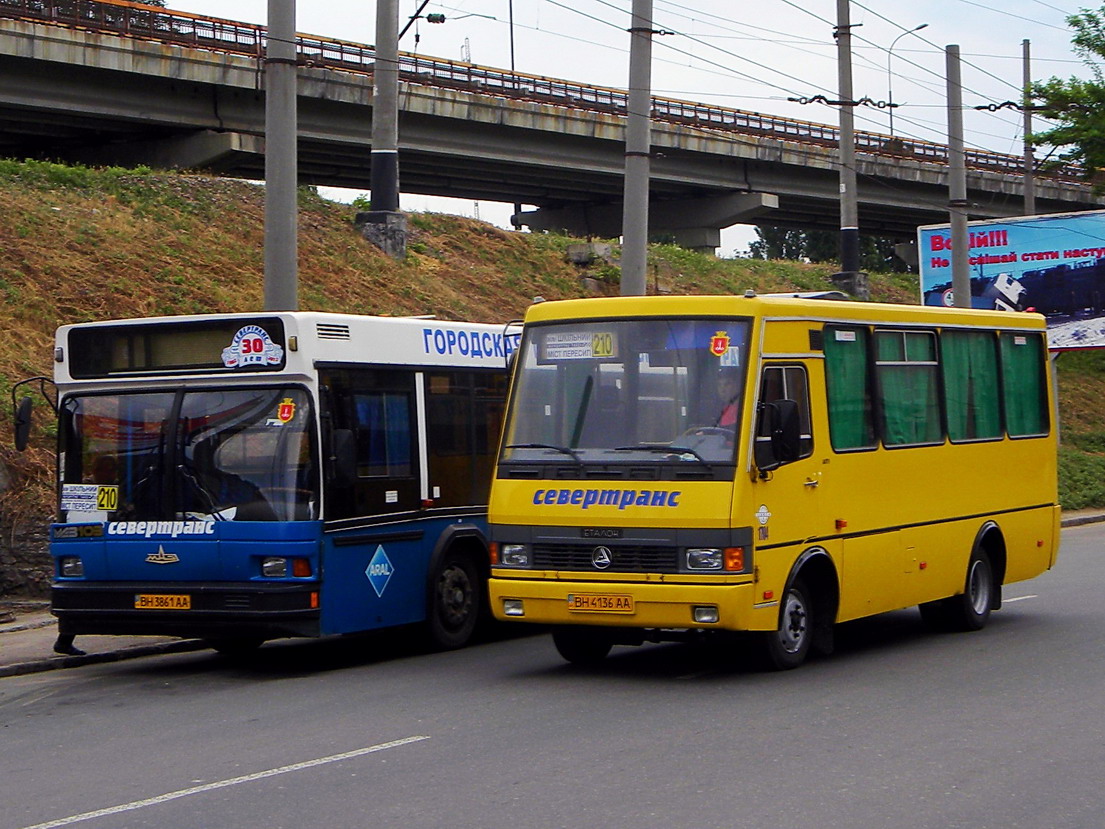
x=582, y=645
x=788, y=646
x=454, y=602
x=970, y=610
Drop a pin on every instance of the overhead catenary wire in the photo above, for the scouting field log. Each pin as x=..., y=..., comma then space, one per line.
x=936, y=75
x=683, y=11
x=661, y=43
x=723, y=65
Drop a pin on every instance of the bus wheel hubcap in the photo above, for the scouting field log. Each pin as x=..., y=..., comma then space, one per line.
x=455, y=592
x=793, y=630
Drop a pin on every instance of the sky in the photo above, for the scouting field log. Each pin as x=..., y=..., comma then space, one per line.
x=751, y=56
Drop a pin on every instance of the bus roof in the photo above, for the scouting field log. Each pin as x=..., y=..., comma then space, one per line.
x=776, y=306
x=294, y=342
x=301, y=316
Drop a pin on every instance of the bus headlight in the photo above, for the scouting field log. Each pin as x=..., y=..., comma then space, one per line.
x=71, y=567
x=514, y=555
x=704, y=558
x=275, y=567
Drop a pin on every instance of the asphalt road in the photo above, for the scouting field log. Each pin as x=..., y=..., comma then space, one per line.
x=900, y=728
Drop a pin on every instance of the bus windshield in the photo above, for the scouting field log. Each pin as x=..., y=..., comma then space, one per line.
x=244, y=454
x=634, y=390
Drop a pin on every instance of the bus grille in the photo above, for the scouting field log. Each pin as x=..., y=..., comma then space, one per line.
x=628, y=559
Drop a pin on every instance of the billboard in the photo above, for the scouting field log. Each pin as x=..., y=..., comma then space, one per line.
x=1053, y=264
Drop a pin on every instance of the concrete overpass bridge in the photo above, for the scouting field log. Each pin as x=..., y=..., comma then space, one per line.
x=117, y=83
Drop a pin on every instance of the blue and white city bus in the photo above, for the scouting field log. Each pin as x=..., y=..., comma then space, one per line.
x=245, y=477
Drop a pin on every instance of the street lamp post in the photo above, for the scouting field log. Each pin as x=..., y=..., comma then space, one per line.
x=511, y=37
x=890, y=76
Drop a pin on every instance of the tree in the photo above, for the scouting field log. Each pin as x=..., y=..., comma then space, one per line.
x=819, y=246
x=777, y=243
x=1077, y=105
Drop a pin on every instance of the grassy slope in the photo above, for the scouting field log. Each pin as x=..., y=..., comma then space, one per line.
x=79, y=244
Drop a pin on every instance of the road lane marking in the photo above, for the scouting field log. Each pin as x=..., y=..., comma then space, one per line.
x=222, y=784
x=1019, y=598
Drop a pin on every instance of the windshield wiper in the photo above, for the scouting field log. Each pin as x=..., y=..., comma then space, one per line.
x=190, y=477
x=667, y=449
x=562, y=449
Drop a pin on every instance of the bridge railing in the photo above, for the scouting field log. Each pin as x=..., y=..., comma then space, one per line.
x=197, y=31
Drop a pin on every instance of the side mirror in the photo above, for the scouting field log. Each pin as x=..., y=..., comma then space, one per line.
x=778, y=435
x=343, y=457
x=23, y=423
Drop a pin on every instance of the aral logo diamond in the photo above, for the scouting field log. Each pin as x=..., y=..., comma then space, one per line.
x=379, y=570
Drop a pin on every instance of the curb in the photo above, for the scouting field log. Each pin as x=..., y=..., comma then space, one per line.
x=16, y=627
x=54, y=663
x=1079, y=520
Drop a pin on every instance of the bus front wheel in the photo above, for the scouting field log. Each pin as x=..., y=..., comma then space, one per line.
x=582, y=645
x=788, y=646
x=454, y=602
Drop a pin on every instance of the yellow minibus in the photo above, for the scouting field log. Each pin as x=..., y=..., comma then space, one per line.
x=771, y=464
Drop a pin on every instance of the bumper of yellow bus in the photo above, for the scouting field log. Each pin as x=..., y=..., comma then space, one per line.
x=669, y=605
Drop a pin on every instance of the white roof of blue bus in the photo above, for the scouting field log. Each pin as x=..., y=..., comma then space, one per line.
x=353, y=338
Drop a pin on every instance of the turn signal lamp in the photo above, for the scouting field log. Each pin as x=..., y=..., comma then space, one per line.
x=493, y=552
x=734, y=559
x=301, y=567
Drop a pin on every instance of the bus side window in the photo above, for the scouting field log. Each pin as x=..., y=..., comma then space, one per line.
x=377, y=408
x=464, y=412
x=848, y=388
x=1024, y=384
x=908, y=385
x=788, y=383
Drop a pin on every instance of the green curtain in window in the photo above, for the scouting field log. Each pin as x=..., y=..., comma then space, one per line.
x=911, y=410
x=969, y=363
x=909, y=393
x=1023, y=380
x=848, y=389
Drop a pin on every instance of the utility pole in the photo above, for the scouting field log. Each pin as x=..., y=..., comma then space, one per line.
x=957, y=183
x=1029, y=161
x=850, y=279
x=384, y=225
x=281, y=169
x=385, y=108
x=637, y=147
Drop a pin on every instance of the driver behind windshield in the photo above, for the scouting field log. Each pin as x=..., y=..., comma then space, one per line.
x=728, y=390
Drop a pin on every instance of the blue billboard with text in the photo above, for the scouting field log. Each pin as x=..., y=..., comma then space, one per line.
x=1053, y=264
